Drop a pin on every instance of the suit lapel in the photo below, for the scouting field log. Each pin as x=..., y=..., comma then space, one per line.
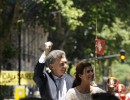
x=67, y=81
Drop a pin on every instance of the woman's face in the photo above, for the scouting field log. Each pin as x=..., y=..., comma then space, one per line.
x=87, y=75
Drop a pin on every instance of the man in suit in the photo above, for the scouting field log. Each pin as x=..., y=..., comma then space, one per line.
x=55, y=82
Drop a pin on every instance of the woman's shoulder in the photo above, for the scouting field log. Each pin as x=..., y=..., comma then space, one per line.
x=97, y=90
x=71, y=90
x=71, y=94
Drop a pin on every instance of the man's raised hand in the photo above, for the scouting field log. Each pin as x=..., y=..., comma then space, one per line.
x=48, y=46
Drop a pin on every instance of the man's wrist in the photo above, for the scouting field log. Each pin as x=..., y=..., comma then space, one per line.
x=46, y=52
x=42, y=58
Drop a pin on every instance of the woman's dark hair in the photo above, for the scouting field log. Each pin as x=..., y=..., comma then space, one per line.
x=79, y=70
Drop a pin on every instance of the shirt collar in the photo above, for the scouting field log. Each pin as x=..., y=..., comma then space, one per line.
x=55, y=77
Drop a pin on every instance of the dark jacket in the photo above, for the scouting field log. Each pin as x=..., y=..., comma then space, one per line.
x=46, y=82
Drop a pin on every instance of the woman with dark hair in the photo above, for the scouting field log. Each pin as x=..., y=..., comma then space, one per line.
x=82, y=88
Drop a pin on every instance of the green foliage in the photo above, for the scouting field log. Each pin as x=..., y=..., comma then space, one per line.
x=118, y=29
x=67, y=9
x=9, y=13
x=73, y=70
x=121, y=71
x=9, y=52
x=70, y=13
x=98, y=73
x=71, y=25
x=116, y=36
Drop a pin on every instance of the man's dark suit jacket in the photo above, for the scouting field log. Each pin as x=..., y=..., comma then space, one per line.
x=46, y=82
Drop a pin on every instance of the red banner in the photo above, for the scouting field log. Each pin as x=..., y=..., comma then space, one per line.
x=100, y=46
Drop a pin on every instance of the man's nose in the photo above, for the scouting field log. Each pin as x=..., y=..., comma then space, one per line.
x=65, y=65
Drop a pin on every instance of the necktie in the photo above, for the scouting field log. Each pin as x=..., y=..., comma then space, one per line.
x=61, y=86
x=59, y=83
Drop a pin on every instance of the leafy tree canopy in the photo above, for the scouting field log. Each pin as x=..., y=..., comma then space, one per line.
x=66, y=8
x=121, y=71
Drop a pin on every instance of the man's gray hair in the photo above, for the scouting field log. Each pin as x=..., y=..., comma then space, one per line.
x=53, y=55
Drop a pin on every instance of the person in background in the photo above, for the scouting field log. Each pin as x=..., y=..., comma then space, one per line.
x=55, y=82
x=128, y=93
x=121, y=89
x=112, y=84
x=82, y=88
x=104, y=96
